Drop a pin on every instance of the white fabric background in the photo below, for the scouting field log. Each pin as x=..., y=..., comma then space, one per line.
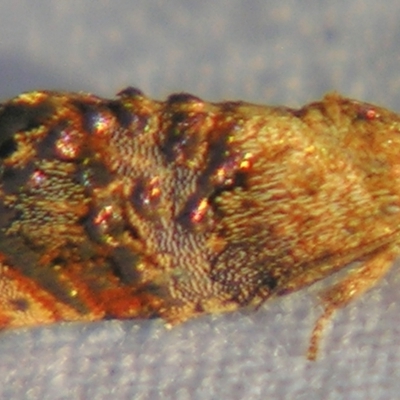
x=261, y=51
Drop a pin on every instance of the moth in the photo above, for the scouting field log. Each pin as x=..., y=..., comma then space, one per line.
x=135, y=208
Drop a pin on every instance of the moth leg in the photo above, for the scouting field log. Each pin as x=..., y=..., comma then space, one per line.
x=342, y=293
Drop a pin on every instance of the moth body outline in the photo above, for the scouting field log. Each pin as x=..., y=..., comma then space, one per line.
x=135, y=208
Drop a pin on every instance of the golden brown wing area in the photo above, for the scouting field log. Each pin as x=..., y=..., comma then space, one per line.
x=134, y=208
